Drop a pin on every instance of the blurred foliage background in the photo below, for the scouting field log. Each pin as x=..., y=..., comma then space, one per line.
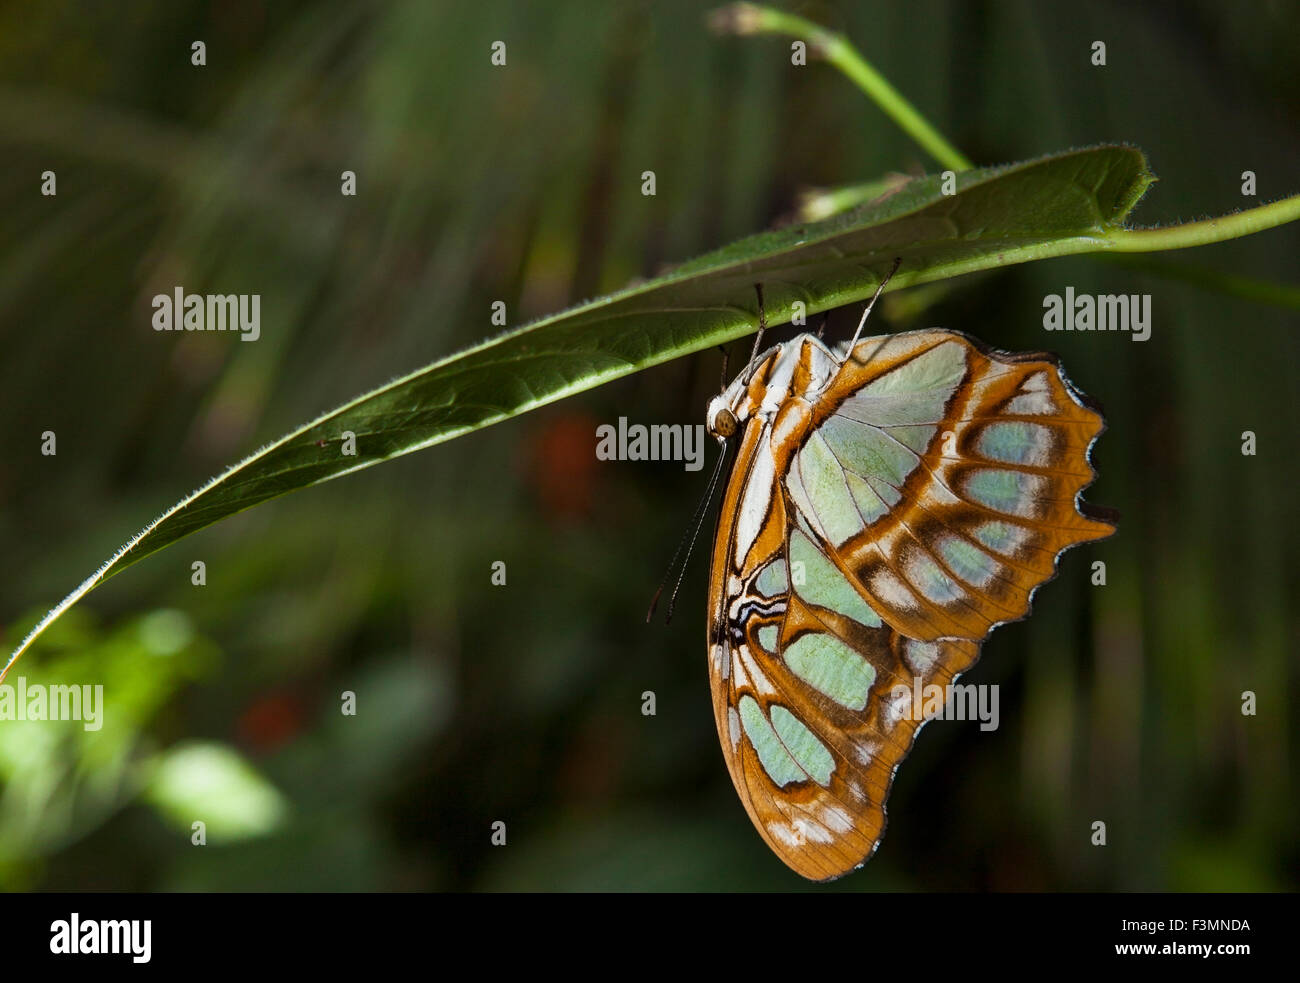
x=522, y=703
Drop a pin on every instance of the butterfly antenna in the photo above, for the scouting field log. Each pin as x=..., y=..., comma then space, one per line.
x=867, y=313
x=687, y=543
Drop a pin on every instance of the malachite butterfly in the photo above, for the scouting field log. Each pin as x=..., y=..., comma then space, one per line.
x=890, y=503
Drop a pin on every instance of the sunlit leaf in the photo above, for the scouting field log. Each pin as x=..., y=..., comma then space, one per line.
x=1054, y=206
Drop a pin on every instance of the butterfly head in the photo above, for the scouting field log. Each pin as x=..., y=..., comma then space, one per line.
x=721, y=419
x=765, y=384
x=731, y=408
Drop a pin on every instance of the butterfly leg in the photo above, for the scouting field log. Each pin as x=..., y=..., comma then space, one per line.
x=867, y=313
x=762, y=323
x=762, y=326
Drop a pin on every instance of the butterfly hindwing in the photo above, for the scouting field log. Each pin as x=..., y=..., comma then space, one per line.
x=804, y=701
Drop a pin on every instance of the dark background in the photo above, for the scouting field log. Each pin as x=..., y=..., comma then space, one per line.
x=522, y=703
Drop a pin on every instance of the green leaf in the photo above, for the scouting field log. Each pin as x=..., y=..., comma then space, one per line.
x=1070, y=203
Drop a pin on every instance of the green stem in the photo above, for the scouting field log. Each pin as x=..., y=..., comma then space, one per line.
x=1207, y=230
x=750, y=18
x=819, y=203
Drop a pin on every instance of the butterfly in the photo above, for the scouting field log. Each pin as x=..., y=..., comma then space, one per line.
x=891, y=502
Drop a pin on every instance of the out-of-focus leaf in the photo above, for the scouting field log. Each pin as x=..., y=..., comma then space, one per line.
x=212, y=784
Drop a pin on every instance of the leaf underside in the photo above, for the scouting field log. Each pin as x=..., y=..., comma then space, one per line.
x=1068, y=203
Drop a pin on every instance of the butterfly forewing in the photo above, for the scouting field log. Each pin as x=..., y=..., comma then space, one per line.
x=860, y=558
x=944, y=479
